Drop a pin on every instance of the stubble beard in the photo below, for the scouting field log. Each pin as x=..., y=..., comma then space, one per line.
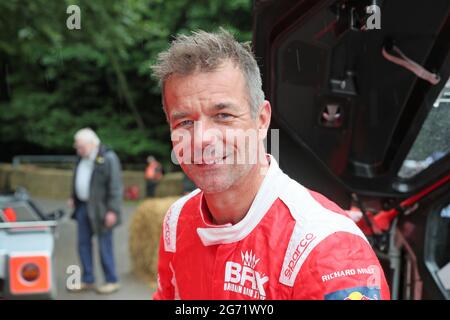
x=219, y=180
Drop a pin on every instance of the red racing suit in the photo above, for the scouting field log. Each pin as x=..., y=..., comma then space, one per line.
x=292, y=244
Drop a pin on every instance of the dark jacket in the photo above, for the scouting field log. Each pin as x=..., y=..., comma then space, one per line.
x=106, y=189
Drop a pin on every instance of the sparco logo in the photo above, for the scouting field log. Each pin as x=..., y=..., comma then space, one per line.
x=304, y=243
x=244, y=279
x=167, y=228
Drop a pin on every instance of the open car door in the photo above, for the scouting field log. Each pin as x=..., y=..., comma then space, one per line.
x=361, y=98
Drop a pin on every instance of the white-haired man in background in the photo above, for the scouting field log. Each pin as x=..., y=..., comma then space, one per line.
x=97, y=200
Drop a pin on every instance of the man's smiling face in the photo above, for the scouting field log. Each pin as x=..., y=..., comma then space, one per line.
x=204, y=109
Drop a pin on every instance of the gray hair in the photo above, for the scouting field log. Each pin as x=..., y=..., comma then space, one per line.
x=205, y=52
x=87, y=135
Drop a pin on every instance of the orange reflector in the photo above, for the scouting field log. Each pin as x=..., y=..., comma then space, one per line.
x=10, y=215
x=29, y=274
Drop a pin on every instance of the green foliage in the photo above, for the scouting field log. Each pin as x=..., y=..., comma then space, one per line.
x=55, y=80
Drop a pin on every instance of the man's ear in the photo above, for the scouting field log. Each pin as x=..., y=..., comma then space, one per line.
x=264, y=119
x=164, y=104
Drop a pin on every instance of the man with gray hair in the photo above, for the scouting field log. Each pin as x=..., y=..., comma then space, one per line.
x=97, y=200
x=249, y=231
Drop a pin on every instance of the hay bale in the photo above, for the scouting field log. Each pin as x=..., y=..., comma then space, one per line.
x=5, y=176
x=144, y=234
x=56, y=183
x=170, y=185
x=42, y=182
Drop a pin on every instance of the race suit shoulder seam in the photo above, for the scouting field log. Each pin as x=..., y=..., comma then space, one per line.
x=313, y=224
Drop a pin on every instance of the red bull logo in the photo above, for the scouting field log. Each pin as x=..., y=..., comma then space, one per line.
x=355, y=295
